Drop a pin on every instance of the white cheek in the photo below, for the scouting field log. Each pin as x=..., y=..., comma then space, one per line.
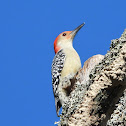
x=61, y=42
x=64, y=43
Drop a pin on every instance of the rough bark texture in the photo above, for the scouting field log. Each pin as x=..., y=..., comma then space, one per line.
x=99, y=94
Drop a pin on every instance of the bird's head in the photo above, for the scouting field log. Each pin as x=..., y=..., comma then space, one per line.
x=65, y=39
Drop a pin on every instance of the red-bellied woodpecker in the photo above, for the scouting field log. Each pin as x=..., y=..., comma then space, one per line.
x=66, y=64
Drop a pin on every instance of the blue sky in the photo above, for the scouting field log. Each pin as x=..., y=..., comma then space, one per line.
x=28, y=29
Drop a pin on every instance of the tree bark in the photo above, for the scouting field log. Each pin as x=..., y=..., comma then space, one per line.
x=98, y=97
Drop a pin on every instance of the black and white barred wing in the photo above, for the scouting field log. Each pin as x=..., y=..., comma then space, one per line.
x=57, y=66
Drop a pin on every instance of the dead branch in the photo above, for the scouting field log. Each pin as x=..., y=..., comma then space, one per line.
x=99, y=93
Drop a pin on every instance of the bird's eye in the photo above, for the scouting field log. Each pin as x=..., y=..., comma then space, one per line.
x=64, y=34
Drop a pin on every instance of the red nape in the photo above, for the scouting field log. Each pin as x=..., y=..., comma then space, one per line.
x=56, y=48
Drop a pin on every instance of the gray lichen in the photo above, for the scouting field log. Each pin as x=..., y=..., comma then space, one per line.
x=75, y=98
x=118, y=118
x=111, y=55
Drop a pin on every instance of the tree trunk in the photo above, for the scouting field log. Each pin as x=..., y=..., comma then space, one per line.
x=98, y=97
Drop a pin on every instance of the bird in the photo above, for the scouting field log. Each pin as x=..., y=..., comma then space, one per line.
x=65, y=65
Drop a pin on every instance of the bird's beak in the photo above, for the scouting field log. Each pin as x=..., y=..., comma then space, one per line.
x=74, y=32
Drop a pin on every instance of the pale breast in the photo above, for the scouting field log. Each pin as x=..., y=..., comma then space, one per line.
x=72, y=63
